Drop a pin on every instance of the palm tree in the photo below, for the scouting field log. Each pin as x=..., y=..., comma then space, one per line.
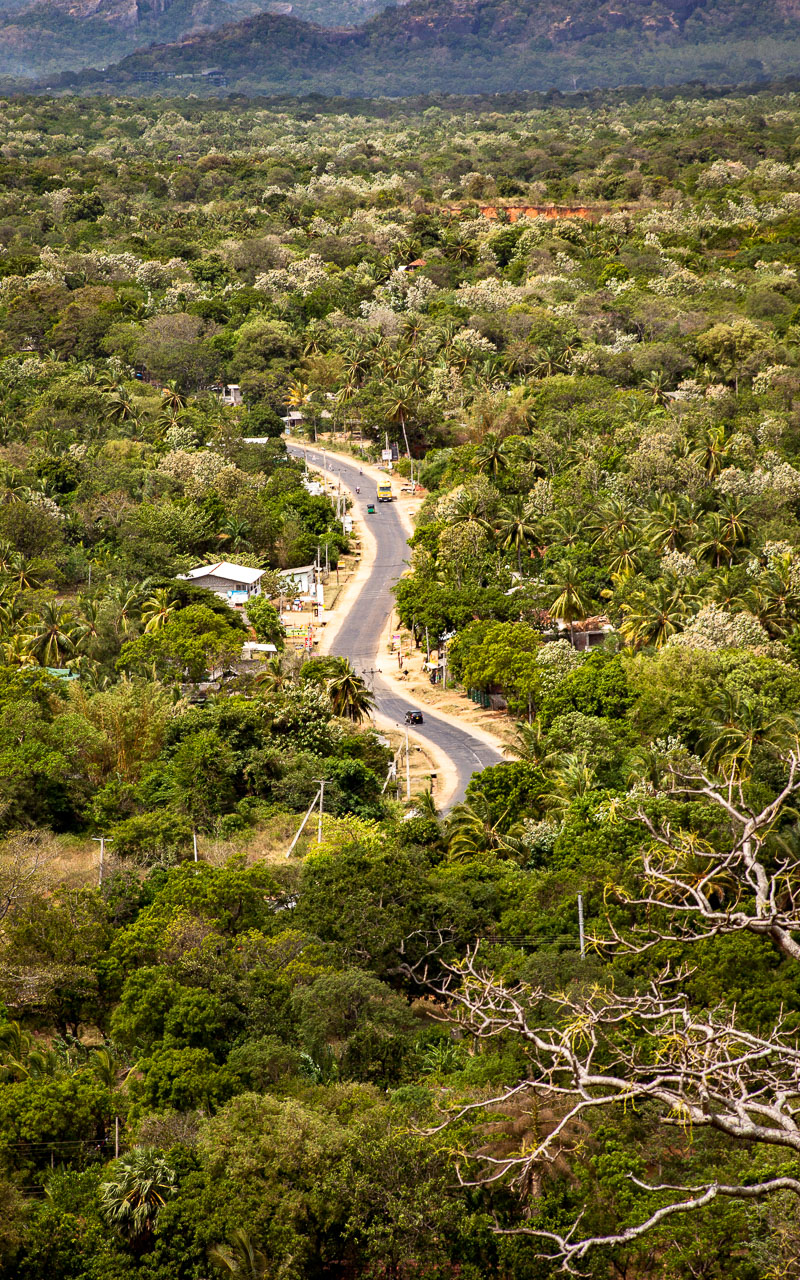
x=400, y=404
x=468, y=508
x=172, y=398
x=549, y=360
x=274, y=675
x=413, y=328
x=656, y=385
x=137, y=1187
x=15, y=1045
x=15, y=566
x=241, y=1259
x=235, y=531
x=157, y=609
x=574, y=777
x=297, y=395
x=122, y=408
x=87, y=627
x=52, y=635
x=737, y=726
x=525, y=453
x=357, y=361
x=516, y=526
x=12, y=610
x=458, y=246
x=711, y=452
x=566, y=529
x=491, y=455
x=126, y=601
x=22, y=1059
x=572, y=600
x=623, y=560
x=350, y=697
x=720, y=534
x=16, y=651
x=105, y=1067
x=776, y=603
x=472, y=830
x=670, y=523
x=733, y=515
x=728, y=591
x=166, y=421
x=529, y=744
x=613, y=518
x=650, y=617
x=416, y=378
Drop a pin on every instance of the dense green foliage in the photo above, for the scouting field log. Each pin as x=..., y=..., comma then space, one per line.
x=605, y=414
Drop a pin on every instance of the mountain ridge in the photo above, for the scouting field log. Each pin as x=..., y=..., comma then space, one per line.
x=46, y=37
x=478, y=46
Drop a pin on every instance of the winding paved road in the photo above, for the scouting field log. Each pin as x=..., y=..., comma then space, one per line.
x=359, y=634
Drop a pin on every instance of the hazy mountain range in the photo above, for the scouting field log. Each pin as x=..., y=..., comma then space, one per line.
x=456, y=46
x=46, y=37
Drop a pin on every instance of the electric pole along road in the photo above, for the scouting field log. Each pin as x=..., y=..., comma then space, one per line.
x=359, y=635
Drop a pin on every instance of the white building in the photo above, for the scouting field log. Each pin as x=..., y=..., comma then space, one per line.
x=252, y=652
x=301, y=581
x=233, y=582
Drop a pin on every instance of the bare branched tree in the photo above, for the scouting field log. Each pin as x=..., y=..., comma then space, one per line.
x=595, y=1050
x=24, y=856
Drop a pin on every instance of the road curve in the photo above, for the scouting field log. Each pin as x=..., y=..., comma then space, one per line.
x=358, y=637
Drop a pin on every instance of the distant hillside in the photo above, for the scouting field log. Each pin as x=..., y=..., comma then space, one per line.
x=46, y=37
x=473, y=46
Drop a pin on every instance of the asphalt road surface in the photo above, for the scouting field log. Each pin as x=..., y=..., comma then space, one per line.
x=359, y=635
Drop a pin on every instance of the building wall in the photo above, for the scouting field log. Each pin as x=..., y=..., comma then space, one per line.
x=302, y=584
x=223, y=584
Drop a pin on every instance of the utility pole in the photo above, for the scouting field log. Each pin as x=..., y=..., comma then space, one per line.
x=194, y=844
x=321, y=782
x=299, y=831
x=580, y=926
x=408, y=768
x=116, y=1137
x=101, y=840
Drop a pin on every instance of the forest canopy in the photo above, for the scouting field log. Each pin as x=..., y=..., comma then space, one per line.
x=555, y=1028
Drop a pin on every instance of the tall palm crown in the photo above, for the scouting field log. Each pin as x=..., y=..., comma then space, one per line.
x=516, y=526
x=139, y=1185
x=492, y=455
x=350, y=697
x=53, y=635
x=572, y=600
x=650, y=617
x=157, y=609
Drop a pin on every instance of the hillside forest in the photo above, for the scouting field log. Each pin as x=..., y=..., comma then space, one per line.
x=389, y=1055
